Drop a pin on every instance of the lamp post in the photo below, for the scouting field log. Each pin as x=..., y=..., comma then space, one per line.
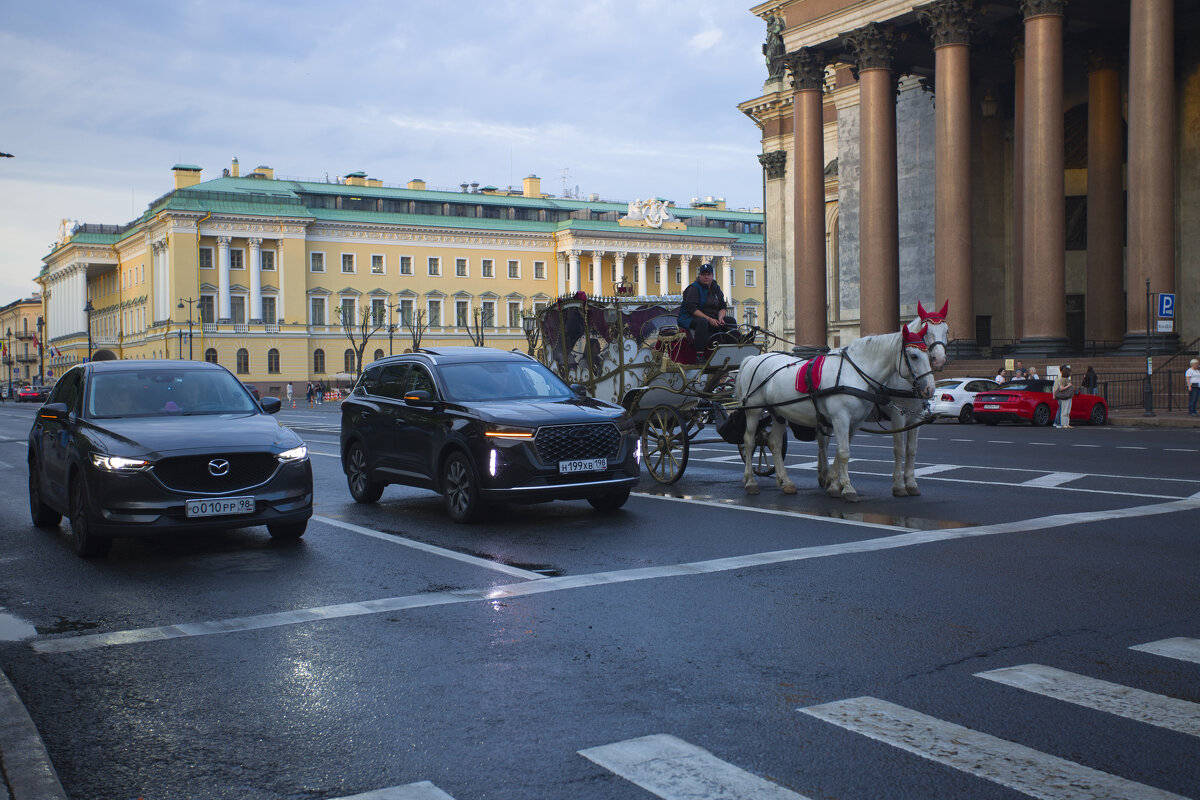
x=190, y=302
x=41, y=360
x=8, y=360
x=1148, y=391
x=530, y=324
x=87, y=309
x=392, y=327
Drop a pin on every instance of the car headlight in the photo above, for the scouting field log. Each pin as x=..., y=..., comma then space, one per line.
x=295, y=454
x=509, y=432
x=119, y=463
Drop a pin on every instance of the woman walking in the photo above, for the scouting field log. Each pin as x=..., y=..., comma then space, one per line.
x=1064, y=390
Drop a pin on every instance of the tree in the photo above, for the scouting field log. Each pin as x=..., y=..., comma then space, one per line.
x=416, y=326
x=476, y=332
x=359, y=328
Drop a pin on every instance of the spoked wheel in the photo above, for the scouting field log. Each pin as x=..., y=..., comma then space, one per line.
x=762, y=462
x=665, y=444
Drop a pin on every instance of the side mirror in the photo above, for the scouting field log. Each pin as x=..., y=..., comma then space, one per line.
x=271, y=405
x=579, y=389
x=419, y=398
x=53, y=412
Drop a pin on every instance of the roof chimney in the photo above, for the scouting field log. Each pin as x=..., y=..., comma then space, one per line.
x=265, y=172
x=186, y=175
x=234, y=171
x=416, y=183
x=532, y=186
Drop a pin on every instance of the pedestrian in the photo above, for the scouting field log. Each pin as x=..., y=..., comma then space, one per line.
x=1064, y=390
x=308, y=394
x=320, y=392
x=1091, y=382
x=1033, y=374
x=1020, y=372
x=1193, y=383
x=1000, y=375
x=289, y=395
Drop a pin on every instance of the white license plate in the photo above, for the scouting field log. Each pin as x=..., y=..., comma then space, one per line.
x=225, y=506
x=991, y=406
x=583, y=465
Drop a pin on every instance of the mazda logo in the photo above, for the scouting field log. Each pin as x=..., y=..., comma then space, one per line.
x=218, y=467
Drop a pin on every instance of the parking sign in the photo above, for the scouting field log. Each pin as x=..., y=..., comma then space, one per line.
x=1166, y=305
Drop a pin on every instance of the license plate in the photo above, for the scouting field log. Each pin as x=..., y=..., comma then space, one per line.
x=225, y=506
x=583, y=465
x=991, y=406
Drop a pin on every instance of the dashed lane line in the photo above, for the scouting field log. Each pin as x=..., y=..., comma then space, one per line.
x=1181, y=648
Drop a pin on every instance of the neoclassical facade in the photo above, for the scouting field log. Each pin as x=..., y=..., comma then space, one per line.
x=267, y=270
x=1035, y=162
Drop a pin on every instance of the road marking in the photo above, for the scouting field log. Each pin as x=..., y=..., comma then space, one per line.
x=1085, y=445
x=412, y=791
x=1112, y=698
x=1129, y=447
x=1181, y=647
x=1043, y=444
x=998, y=760
x=675, y=770
x=318, y=453
x=390, y=604
x=1054, y=479
x=733, y=504
x=921, y=472
x=475, y=561
x=1176, y=449
x=998, y=441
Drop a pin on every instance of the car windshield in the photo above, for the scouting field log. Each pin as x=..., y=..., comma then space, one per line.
x=503, y=380
x=166, y=392
x=1024, y=386
x=944, y=382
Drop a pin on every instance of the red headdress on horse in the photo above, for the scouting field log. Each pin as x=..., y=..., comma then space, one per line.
x=934, y=319
x=917, y=339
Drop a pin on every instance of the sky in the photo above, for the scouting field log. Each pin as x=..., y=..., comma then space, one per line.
x=624, y=99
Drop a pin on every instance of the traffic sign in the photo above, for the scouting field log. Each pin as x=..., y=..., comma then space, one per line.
x=1166, y=305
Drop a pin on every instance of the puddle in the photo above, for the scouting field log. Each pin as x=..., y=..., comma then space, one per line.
x=65, y=625
x=14, y=629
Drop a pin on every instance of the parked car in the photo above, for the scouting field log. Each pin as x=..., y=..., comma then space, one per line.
x=252, y=389
x=955, y=397
x=1033, y=401
x=129, y=448
x=477, y=425
x=32, y=394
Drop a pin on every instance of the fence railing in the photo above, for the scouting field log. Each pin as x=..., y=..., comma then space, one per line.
x=1128, y=390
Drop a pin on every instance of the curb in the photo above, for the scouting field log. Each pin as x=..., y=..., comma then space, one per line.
x=28, y=773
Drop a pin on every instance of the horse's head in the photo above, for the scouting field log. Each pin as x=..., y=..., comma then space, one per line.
x=915, y=359
x=936, y=331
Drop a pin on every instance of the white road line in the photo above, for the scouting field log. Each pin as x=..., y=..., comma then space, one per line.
x=1043, y=444
x=412, y=791
x=1128, y=447
x=1054, y=479
x=921, y=472
x=733, y=504
x=391, y=604
x=1085, y=445
x=475, y=561
x=998, y=441
x=1112, y=698
x=1176, y=449
x=1181, y=647
x=675, y=770
x=998, y=760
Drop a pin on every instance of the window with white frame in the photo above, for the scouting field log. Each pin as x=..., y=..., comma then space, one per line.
x=732, y=279
x=378, y=312
x=433, y=309
x=268, y=260
x=406, y=265
x=206, y=258
x=462, y=313
x=539, y=270
x=237, y=308
x=514, y=314
x=268, y=311
x=435, y=265
x=207, y=308
x=237, y=258
x=679, y=275
x=487, y=268
x=487, y=313
x=316, y=311
x=406, y=311
x=751, y=315
x=514, y=268
x=377, y=265
x=460, y=268
x=316, y=262
x=348, y=262
x=749, y=277
x=349, y=312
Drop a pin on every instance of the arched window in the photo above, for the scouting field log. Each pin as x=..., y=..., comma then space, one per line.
x=349, y=361
x=210, y=355
x=319, y=361
x=273, y=361
x=378, y=354
x=243, y=361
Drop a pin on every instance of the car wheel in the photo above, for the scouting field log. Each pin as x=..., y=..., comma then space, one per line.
x=43, y=516
x=358, y=476
x=87, y=544
x=460, y=488
x=1041, y=416
x=966, y=415
x=1099, y=414
x=611, y=501
x=287, y=532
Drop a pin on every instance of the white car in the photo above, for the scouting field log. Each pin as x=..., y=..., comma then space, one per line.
x=955, y=397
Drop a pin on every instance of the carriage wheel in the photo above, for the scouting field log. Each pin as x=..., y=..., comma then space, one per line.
x=665, y=444
x=763, y=463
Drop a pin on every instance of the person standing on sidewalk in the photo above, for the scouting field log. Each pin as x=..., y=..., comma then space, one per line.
x=1193, y=383
x=1064, y=390
x=1090, y=380
x=291, y=402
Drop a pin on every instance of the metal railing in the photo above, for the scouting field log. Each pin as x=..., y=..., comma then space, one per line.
x=1128, y=390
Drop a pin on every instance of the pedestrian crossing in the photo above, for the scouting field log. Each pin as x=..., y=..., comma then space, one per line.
x=673, y=769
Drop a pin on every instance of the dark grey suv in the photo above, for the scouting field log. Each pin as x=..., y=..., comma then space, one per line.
x=478, y=424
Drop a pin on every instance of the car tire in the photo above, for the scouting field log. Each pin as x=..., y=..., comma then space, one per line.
x=610, y=501
x=1041, y=416
x=287, y=531
x=1099, y=414
x=87, y=544
x=43, y=516
x=358, y=476
x=966, y=415
x=460, y=488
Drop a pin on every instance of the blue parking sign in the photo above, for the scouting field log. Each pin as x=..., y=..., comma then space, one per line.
x=1166, y=306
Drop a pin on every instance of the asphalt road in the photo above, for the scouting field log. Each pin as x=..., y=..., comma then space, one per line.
x=979, y=641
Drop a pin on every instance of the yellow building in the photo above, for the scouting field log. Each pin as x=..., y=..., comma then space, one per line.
x=267, y=269
x=20, y=327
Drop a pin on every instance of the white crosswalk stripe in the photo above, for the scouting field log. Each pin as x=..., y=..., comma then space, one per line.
x=676, y=770
x=411, y=791
x=1181, y=648
x=1007, y=763
x=1124, y=701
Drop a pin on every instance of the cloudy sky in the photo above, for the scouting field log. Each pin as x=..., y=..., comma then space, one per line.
x=622, y=98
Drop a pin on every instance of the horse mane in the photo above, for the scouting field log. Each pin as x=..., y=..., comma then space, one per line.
x=877, y=346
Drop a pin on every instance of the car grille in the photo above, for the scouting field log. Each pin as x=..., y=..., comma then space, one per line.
x=564, y=442
x=191, y=473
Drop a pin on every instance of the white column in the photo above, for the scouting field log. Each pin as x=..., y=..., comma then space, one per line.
x=664, y=266
x=727, y=263
x=561, y=258
x=619, y=262
x=224, y=307
x=255, y=280
x=597, y=277
x=641, y=273
x=685, y=267
x=573, y=282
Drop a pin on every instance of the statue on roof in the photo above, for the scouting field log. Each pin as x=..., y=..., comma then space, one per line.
x=773, y=49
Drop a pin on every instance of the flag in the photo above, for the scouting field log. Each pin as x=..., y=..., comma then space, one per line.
x=36, y=343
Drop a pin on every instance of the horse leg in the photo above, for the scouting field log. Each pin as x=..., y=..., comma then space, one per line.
x=899, y=448
x=841, y=464
x=749, y=479
x=822, y=459
x=910, y=462
x=775, y=441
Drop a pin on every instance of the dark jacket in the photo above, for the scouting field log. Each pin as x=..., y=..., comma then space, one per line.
x=694, y=298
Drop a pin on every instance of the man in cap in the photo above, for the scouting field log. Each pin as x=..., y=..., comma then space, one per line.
x=703, y=309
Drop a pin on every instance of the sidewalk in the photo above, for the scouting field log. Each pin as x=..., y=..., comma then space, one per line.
x=1135, y=418
x=28, y=773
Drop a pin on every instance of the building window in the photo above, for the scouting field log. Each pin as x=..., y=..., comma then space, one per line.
x=206, y=258
x=316, y=311
x=348, y=262
x=348, y=361
x=434, y=307
x=488, y=268
x=273, y=361
x=751, y=315
x=349, y=312
x=268, y=260
x=658, y=274
x=206, y=308
x=462, y=313
x=319, y=361
x=243, y=361
x=488, y=313
x=749, y=277
x=732, y=279
x=378, y=311
x=679, y=275
x=514, y=313
x=237, y=308
x=268, y=311
x=460, y=268
x=514, y=269
x=539, y=270
x=435, y=265
x=406, y=265
x=378, y=354
x=210, y=355
x=376, y=265
x=406, y=312
x=237, y=258
x=316, y=262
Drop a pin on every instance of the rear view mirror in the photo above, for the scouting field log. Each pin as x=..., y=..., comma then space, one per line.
x=53, y=412
x=419, y=398
x=271, y=405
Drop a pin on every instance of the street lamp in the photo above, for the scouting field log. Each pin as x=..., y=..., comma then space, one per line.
x=87, y=309
x=41, y=359
x=8, y=359
x=190, y=302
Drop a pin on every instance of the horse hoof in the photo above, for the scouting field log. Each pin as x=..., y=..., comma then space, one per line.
x=752, y=489
x=833, y=492
x=850, y=497
x=789, y=488
x=913, y=491
x=899, y=491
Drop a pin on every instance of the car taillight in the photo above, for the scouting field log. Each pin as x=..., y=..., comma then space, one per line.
x=947, y=398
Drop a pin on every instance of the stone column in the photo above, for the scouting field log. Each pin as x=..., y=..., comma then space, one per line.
x=1018, y=240
x=664, y=266
x=561, y=260
x=619, y=265
x=1151, y=160
x=642, y=258
x=685, y=267
x=949, y=22
x=573, y=284
x=224, y=310
x=255, y=280
x=879, y=223
x=808, y=161
x=727, y=274
x=1105, y=201
x=597, y=274
x=1044, y=285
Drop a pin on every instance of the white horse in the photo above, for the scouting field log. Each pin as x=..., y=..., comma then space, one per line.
x=853, y=380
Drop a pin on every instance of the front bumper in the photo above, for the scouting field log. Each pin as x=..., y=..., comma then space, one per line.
x=515, y=473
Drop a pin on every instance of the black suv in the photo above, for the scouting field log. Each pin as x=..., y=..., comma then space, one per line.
x=478, y=424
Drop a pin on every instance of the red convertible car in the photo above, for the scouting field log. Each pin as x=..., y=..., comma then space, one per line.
x=1032, y=401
